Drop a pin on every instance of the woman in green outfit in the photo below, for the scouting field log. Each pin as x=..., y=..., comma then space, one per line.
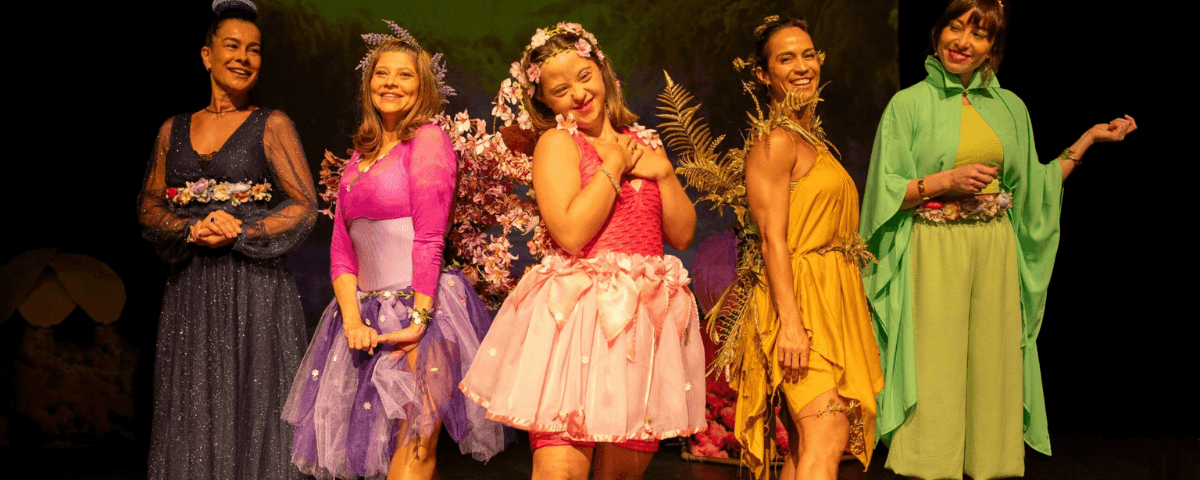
x=964, y=221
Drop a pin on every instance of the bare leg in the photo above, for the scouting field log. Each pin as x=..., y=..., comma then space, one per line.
x=619, y=463
x=416, y=458
x=791, y=463
x=825, y=435
x=563, y=462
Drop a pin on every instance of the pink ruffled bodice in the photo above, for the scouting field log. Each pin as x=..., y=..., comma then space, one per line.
x=634, y=225
x=414, y=180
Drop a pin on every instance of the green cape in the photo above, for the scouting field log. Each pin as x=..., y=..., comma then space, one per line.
x=918, y=136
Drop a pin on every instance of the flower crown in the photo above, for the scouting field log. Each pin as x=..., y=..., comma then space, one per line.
x=374, y=40
x=584, y=47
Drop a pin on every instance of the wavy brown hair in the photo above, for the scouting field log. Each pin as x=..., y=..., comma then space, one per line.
x=542, y=116
x=990, y=15
x=368, y=141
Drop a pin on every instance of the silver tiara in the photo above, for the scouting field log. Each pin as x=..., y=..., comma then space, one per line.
x=219, y=6
x=374, y=40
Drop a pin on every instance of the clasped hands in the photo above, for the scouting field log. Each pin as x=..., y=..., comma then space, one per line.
x=634, y=158
x=361, y=337
x=216, y=230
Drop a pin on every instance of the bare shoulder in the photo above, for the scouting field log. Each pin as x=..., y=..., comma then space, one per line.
x=556, y=145
x=778, y=149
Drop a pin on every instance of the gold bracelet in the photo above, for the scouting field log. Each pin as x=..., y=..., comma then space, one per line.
x=921, y=190
x=1068, y=155
x=616, y=185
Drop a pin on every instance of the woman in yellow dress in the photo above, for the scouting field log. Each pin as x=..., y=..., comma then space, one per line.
x=813, y=327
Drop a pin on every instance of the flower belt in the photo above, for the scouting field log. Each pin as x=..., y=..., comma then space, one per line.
x=385, y=294
x=205, y=190
x=980, y=207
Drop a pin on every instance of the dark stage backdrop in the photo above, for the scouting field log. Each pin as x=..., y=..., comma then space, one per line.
x=1112, y=342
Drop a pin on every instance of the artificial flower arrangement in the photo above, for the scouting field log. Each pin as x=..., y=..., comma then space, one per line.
x=205, y=190
x=980, y=207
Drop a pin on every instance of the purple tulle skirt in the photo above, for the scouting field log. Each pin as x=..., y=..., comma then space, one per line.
x=351, y=410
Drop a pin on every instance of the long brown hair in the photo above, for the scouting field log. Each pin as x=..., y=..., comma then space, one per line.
x=369, y=139
x=988, y=14
x=542, y=116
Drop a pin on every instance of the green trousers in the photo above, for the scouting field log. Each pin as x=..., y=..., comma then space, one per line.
x=967, y=336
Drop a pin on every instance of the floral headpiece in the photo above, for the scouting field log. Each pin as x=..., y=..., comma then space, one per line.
x=533, y=72
x=374, y=40
x=740, y=64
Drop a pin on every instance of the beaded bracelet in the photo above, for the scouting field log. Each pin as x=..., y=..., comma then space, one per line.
x=616, y=185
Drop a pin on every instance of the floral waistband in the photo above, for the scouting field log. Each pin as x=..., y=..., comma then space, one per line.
x=205, y=190
x=386, y=294
x=980, y=207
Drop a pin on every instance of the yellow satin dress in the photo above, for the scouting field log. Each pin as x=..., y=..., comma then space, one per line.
x=826, y=254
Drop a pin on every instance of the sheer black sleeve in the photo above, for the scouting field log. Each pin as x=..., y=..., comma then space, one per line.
x=160, y=225
x=292, y=219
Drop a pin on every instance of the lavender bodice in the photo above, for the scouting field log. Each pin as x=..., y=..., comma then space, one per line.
x=390, y=221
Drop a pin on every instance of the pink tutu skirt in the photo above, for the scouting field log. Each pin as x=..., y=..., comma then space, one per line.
x=602, y=349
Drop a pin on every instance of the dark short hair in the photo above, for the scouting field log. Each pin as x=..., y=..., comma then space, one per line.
x=229, y=11
x=763, y=35
x=989, y=14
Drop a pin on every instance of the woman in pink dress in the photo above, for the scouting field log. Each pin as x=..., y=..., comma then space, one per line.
x=597, y=350
x=378, y=381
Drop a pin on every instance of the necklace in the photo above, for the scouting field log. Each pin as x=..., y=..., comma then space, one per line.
x=221, y=112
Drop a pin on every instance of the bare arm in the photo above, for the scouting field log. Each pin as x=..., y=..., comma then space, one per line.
x=574, y=212
x=1113, y=131
x=768, y=188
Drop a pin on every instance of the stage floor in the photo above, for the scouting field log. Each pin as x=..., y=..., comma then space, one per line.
x=1075, y=458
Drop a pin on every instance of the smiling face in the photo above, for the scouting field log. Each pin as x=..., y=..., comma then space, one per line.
x=964, y=46
x=792, y=64
x=571, y=84
x=394, y=86
x=234, y=57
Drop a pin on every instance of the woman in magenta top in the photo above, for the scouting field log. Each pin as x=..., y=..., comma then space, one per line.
x=379, y=378
x=597, y=350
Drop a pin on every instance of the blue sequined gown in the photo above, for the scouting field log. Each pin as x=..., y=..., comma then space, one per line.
x=231, y=333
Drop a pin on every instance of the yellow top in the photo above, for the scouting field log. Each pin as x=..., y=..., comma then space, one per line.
x=822, y=234
x=977, y=143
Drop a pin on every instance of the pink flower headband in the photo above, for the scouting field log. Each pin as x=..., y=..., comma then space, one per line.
x=584, y=47
x=374, y=40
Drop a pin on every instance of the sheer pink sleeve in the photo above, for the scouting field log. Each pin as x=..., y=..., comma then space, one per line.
x=160, y=225
x=342, y=257
x=432, y=170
